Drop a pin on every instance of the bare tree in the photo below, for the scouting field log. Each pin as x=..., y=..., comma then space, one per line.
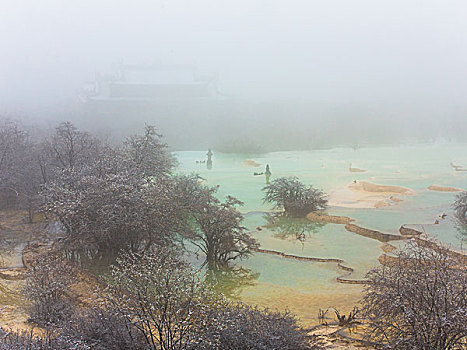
x=147, y=154
x=294, y=197
x=460, y=207
x=12, y=140
x=217, y=229
x=69, y=147
x=162, y=297
x=13, y=143
x=347, y=321
x=20, y=172
x=419, y=301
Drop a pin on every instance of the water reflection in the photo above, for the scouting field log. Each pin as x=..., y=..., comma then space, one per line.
x=268, y=174
x=209, y=160
x=231, y=280
x=285, y=227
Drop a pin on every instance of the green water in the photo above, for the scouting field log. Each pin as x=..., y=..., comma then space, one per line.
x=305, y=286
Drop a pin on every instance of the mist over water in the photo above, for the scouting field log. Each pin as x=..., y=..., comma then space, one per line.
x=289, y=75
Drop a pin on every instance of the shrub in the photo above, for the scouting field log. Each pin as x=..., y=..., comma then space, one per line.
x=164, y=301
x=294, y=197
x=162, y=298
x=47, y=285
x=242, y=327
x=105, y=328
x=460, y=207
x=152, y=302
x=419, y=301
x=29, y=341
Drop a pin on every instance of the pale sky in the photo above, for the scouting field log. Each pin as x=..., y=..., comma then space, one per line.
x=395, y=55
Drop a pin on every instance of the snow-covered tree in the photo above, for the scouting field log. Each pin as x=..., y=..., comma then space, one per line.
x=294, y=197
x=419, y=300
x=217, y=230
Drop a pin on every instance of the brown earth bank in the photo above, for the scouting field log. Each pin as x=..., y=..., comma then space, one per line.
x=371, y=187
x=387, y=247
x=433, y=245
x=444, y=188
x=385, y=259
x=82, y=291
x=12, y=274
x=407, y=231
x=15, y=233
x=395, y=199
x=296, y=257
x=382, y=237
x=29, y=242
x=321, y=217
x=349, y=226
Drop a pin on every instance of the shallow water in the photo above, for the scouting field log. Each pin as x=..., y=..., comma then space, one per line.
x=304, y=286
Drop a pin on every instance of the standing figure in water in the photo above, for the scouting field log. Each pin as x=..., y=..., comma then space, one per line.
x=209, y=162
x=267, y=173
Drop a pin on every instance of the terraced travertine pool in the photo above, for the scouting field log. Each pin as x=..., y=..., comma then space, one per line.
x=305, y=286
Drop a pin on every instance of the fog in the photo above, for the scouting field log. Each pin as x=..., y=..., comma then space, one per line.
x=290, y=74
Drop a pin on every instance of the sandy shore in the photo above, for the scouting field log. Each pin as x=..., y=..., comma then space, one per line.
x=367, y=195
x=364, y=186
x=444, y=188
x=251, y=163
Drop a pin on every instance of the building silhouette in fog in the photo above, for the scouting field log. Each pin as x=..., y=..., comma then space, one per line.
x=180, y=100
x=151, y=83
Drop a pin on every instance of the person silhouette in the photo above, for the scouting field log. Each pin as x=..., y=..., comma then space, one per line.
x=267, y=173
x=209, y=162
